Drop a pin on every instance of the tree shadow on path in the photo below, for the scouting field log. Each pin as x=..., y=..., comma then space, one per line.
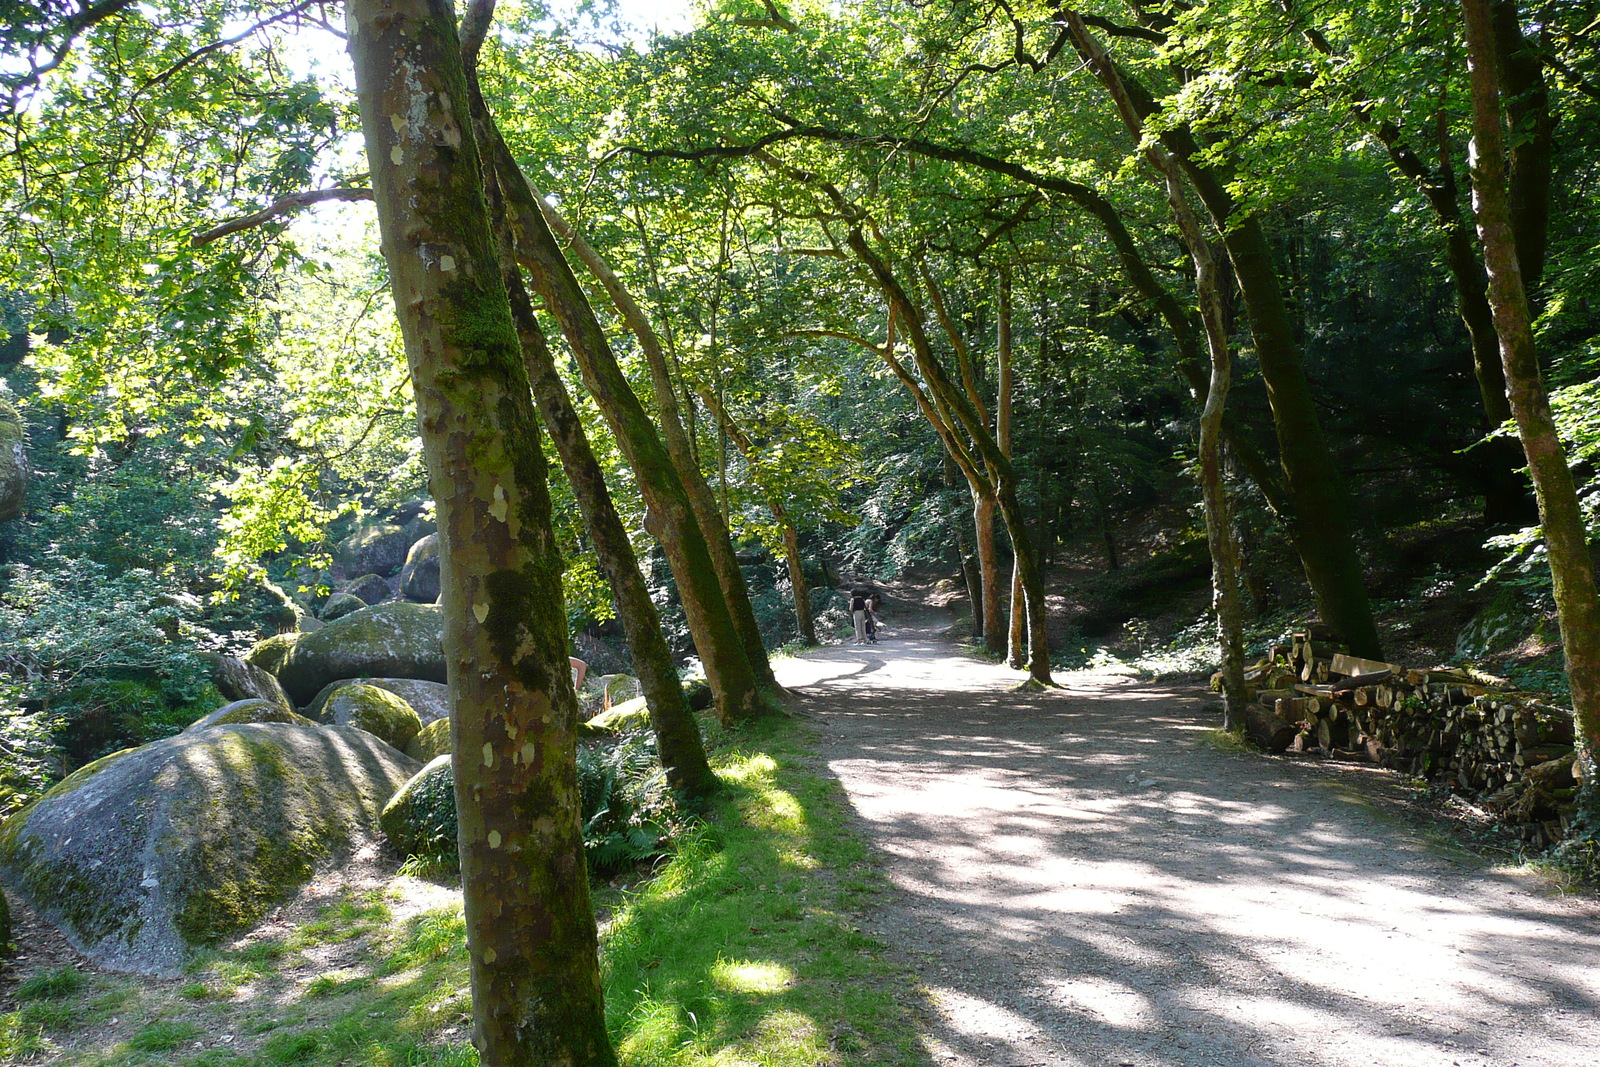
x=1086, y=878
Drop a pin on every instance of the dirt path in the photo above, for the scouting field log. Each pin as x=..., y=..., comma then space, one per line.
x=1085, y=881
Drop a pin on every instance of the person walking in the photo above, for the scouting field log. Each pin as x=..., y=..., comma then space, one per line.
x=858, y=614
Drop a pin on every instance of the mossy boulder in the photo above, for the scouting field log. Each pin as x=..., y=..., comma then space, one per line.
x=431, y=742
x=430, y=700
x=629, y=715
x=698, y=693
x=341, y=604
x=237, y=679
x=270, y=652
x=371, y=588
x=396, y=640
x=5, y=925
x=13, y=462
x=419, y=579
x=1499, y=626
x=149, y=854
x=251, y=710
x=378, y=549
x=420, y=819
x=377, y=711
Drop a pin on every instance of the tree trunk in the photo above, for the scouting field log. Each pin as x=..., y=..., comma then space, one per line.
x=728, y=669
x=707, y=511
x=530, y=927
x=984, y=505
x=791, y=536
x=1017, y=632
x=1320, y=522
x=1571, y=568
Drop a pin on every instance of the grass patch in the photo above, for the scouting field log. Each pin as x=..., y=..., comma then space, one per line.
x=743, y=948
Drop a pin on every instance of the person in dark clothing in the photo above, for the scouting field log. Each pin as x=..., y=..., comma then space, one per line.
x=858, y=614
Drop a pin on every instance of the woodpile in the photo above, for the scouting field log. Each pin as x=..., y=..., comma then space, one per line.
x=1453, y=726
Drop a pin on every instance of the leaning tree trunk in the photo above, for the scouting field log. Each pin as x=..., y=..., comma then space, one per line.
x=1565, y=537
x=733, y=681
x=706, y=509
x=678, y=741
x=530, y=927
x=1320, y=523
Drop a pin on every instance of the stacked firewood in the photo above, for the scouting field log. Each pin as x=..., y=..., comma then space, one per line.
x=1452, y=726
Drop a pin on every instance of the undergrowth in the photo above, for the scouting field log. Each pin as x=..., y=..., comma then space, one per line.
x=743, y=947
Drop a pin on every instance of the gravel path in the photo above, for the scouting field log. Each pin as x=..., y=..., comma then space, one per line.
x=1083, y=879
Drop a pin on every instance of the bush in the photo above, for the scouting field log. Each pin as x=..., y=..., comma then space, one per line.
x=630, y=816
x=90, y=663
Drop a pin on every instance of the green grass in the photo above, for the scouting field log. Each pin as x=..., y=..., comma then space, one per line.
x=744, y=948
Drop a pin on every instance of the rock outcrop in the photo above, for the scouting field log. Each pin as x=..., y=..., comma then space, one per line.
x=248, y=711
x=371, y=588
x=420, y=820
x=432, y=742
x=341, y=604
x=151, y=853
x=238, y=679
x=430, y=700
x=395, y=640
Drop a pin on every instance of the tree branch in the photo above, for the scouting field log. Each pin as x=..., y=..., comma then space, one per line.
x=284, y=206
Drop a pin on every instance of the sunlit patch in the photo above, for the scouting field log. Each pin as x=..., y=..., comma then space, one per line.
x=751, y=976
x=1104, y=1000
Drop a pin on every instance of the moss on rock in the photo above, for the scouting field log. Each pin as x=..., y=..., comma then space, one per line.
x=379, y=549
x=270, y=652
x=253, y=709
x=430, y=700
x=395, y=640
x=420, y=820
x=148, y=854
x=341, y=604
x=377, y=711
x=628, y=715
x=432, y=742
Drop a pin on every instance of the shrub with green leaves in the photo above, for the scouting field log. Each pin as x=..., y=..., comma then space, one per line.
x=630, y=815
x=91, y=662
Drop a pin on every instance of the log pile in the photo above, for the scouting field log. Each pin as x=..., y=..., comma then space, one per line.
x=1453, y=726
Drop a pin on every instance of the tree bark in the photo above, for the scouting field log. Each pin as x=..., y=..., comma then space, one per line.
x=1566, y=539
x=733, y=681
x=530, y=927
x=708, y=513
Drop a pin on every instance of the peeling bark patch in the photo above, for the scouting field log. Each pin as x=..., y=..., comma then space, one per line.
x=499, y=508
x=488, y=755
x=494, y=838
x=480, y=612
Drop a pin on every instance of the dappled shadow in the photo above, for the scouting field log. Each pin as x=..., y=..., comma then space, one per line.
x=1086, y=879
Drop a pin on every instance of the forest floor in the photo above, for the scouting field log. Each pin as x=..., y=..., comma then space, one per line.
x=1091, y=876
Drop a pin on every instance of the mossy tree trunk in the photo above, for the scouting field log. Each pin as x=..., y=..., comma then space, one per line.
x=738, y=692
x=530, y=927
x=708, y=512
x=1565, y=537
x=1320, y=517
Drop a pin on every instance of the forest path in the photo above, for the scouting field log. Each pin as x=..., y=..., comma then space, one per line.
x=1082, y=879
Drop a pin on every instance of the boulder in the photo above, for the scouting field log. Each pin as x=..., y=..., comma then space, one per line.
x=395, y=640
x=237, y=679
x=430, y=700
x=5, y=925
x=378, y=549
x=149, y=854
x=629, y=715
x=371, y=588
x=420, y=527
x=270, y=652
x=432, y=742
x=250, y=710
x=419, y=580
x=698, y=694
x=1499, y=626
x=341, y=604
x=13, y=462
x=377, y=711
x=616, y=688
x=420, y=820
